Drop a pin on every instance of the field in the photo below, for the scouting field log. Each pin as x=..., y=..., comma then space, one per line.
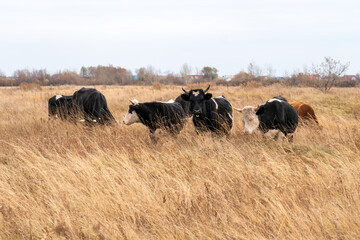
x=59, y=180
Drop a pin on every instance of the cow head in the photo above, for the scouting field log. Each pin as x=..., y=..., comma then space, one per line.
x=59, y=105
x=131, y=116
x=249, y=118
x=197, y=98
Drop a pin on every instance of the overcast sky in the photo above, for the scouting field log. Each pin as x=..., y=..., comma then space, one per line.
x=226, y=34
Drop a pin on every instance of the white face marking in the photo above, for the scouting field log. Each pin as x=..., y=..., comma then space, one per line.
x=134, y=102
x=250, y=119
x=195, y=93
x=215, y=104
x=131, y=118
x=275, y=99
x=58, y=96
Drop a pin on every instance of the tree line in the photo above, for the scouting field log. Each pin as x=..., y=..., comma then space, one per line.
x=324, y=76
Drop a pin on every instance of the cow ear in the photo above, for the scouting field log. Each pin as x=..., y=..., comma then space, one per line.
x=207, y=96
x=261, y=110
x=185, y=97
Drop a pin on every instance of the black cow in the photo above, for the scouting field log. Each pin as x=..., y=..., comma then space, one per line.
x=185, y=105
x=164, y=115
x=278, y=114
x=92, y=105
x=209, y=114
x=60, y=106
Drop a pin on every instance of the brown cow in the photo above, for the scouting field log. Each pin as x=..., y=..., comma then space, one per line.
x=304, y=110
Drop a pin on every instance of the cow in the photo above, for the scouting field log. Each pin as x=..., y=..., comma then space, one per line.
x=92, y=105
x=305, y=111
x=169, y=116
x=208, y=113
x=185, y=105
x=59, y=106
x=276, y=118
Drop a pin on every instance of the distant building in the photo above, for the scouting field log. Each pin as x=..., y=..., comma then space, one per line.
x=195, y=77
x=349, y=78
x=227, y=77
x=263, y=78
x=314, y=76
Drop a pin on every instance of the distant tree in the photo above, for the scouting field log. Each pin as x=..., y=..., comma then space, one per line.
x=210, y=73
x=2, y=74
x=254, y=70
x=147, y=75
x=270, y=71
x=84, y=72
x=241, y=78
x=329, y=72
x=66, y=77
x=36, y=76
x=108, y=75
x=140, y=74
x=300, y=79
x=185, y=70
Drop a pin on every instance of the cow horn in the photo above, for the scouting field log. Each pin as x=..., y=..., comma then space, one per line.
x=257, y=108
x=207, y=89
x=238, y=109
x=185, y=90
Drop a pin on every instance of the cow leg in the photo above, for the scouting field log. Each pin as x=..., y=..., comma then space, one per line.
x=272, y=133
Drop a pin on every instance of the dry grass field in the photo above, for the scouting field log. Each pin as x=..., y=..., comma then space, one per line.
x=59, y=180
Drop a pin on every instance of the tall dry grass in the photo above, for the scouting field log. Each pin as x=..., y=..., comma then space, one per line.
x=64, y=181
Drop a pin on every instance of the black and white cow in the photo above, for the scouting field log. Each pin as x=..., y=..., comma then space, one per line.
x=209, y=114
x=276, y=118
x=60, y=106
x=156, y=115
x=92, y=105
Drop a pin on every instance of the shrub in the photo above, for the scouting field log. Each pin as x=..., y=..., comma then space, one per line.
x=29, y=86
x=253, y=84
x=157, y=85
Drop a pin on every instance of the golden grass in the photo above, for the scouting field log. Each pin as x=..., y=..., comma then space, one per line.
x=64, y=181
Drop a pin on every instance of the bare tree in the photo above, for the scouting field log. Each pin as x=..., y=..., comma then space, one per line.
x=270, y=71
x=147, y=75
x=185, y=70
x=329, y=72
x=254, y=70
x=2, y=74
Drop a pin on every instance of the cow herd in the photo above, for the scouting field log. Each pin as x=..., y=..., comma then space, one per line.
x=276, y=118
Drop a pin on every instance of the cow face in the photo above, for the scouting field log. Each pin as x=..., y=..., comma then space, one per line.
x=60, y=105
x=131, y=116
x=249, y=118
x=197, y=98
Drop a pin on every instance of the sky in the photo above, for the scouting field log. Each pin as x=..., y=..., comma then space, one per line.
x=285, y=36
